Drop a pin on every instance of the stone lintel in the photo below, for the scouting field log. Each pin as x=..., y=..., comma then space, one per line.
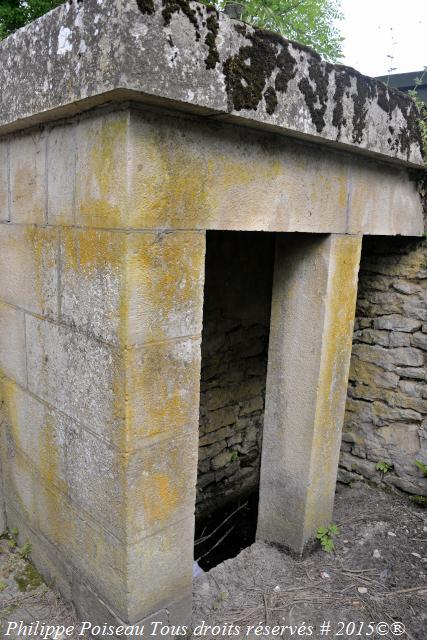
x=192, y=58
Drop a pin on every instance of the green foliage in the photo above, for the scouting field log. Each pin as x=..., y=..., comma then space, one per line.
x=383, y=466
x=14, y=14
x=25, y=551
x=326, y=536
x=421, y=501
x=234, y=456
x=311, y=22
x=422, y=108
x=421, y=466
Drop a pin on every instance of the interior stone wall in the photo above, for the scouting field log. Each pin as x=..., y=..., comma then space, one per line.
x=386, y=413
x=238, y=282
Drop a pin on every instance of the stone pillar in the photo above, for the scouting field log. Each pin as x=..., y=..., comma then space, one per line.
x=313, y=304
x=100, y=330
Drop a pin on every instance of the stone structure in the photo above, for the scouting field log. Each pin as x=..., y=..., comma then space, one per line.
x=386, y=417
x=120, y=148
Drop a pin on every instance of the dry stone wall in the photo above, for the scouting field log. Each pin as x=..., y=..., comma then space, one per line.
x=234, y=364
x=386, y=413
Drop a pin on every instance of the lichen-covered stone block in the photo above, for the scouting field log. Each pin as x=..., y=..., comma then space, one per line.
x=93, y=283
x=61, y=162
x=67, y=456
x=4, y=180
x=161, y=484
x=12, y=344
x=98, y=555
x=163, y=562
x=29, y=268
x=78, y=375
x=164, y=281
x=28, y=178
x=101, y=170
x=163, y=387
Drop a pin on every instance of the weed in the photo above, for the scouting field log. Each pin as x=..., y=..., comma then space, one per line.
x=383, y=467
x=421, y=501
x=326, y=536
x=422, y=467
x=25, y=551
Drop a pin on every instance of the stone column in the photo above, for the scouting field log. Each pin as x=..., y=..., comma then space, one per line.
x=313, y=304
x=100, y=329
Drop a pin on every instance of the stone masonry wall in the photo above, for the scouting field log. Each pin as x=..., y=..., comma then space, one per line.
x=234, y=364
x=386, y=413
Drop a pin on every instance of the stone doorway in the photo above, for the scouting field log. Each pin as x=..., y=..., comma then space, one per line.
x=236, y=325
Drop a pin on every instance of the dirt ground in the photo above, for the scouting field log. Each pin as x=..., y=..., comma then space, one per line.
x=378, y=574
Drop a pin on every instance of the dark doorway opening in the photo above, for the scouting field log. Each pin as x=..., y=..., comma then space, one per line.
x=236, y=321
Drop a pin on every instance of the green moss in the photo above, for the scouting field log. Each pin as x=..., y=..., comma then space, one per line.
x=146, y=6
x=28, y=578
x=175, y=6
x=247, y=72
x=212, y=26
x=316, y=99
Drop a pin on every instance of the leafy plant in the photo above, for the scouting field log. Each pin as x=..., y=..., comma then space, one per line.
x=422, y=108
x=421, y=501
x=11, y=536
x=310, y=22
x=25, y=551
x=383, y=467
x=14, y=14
x=234, y=456
x=422, y=467
x=326, y=536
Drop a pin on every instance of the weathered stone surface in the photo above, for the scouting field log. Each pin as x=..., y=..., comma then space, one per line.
x=160, y=484
x=386, y=406
x=61, y=161
x=295, y=492
x=185, y=174
x=12, y=344
x=101, y=170
x=78, y=375
x=28, y=178
x=164, y=562
x=98, y=555
x=395, y=322
x=93, y=282
x=419, y=340
x=29, y=268
x=4, y=181
x=165, y=275
x=191, y=56
x=163, y=387
x=67, y=456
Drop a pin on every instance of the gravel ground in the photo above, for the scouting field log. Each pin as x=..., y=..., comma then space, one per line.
x=378, y=574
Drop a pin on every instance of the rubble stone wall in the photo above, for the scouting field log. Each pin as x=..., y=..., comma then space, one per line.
x=386, y=413
x=234, y=364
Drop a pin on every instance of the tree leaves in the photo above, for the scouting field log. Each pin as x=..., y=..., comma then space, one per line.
x=14, y=14
x=310, y=22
